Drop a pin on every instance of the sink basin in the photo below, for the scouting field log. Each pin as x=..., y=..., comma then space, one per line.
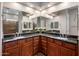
x=19, y=37
x=64, y=38
x=61, y=38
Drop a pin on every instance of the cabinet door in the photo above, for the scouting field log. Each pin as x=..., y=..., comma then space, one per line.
x=44, y=50
x=21, y=44
x=27, y=50
x=12, y=52
x=67, y=52
x=43, y=44
x=10, y=49
x=35, y=51
x=53, y=49
x=43, y=41
x=43, y=38
x=36, y=41
x=36, y=45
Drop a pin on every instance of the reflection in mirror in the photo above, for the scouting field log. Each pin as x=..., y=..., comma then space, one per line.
x=39, y=24
x=26, y=22
x=10, y=20
x=52, y=25
x=25, y=25
x=39, y=21
x=56, y=24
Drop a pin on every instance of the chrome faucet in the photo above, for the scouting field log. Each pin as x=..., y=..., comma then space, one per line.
x=60, y=35
x=17, y=34
x=63, y=35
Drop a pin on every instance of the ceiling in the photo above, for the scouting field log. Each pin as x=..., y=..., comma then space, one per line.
x=40, y=6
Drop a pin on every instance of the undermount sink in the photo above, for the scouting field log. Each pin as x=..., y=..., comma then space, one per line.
x=62, y=38
x=19, y=37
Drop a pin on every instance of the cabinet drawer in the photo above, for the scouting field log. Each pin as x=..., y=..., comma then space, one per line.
x=67, y=52
x=58, y=42
x=27, y=50
x=50, y=40
x=43, y=38
x=44, y=44
x=36, y=44
x=10, y=44
x=69, y=45
x=11, y=52
x=49, y=43
x=21, y=42
x=29, y=43
x=36, y=38
x=43, y=41
x=36, y=47
x=29, y=39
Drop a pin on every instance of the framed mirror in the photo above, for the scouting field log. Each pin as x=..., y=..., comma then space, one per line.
x=26, y=22
x=10, y=21
x=54, y=25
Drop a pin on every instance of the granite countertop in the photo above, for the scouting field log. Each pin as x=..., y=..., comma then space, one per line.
x=47, y=35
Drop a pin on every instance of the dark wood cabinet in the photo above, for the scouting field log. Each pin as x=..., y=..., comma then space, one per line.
x=11, y=52
x=32, y=45
x=57, y=42
x=22, y=47
x=53, y=49
x=44, y=50
x=26, y=47
x=10, y=49
x=60, y=48
x=21, y=44
x=27, y=50
x=67, y=52
x=68, y=49
x=43, y=44
x=71, y=46
x=36, y=44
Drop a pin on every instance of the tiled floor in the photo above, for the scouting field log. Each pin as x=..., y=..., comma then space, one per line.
x=39, y=54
